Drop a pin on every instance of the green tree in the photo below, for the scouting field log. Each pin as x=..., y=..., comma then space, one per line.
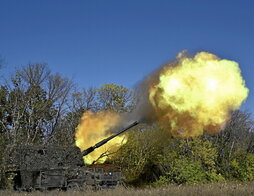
x=238, y=136
x=34, y=104
x=241, y=166
x=115, y=97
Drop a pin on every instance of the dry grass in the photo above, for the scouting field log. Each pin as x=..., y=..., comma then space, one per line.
x=204, y=189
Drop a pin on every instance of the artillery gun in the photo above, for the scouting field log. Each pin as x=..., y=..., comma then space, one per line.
x=51, y=167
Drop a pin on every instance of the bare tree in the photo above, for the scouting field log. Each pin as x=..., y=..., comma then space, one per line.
x=58, y=89
x=80, y=102
x=35, y=74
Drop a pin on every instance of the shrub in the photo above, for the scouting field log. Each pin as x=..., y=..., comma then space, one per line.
x=186, y=171
x=242, y=167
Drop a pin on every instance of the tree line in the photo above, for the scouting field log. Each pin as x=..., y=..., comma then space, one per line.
x=38, y=107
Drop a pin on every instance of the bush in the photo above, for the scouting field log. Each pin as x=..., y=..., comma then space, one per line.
x=242, y=167
x=186, y=171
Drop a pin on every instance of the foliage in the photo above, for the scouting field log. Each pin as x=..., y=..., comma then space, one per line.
x=115, y=97
x=186, y=171
x=242, y=166
x=189, y=161
x=137, y=156
x=32, y=104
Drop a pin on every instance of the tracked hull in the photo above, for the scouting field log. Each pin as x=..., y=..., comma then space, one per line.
x=54, y=167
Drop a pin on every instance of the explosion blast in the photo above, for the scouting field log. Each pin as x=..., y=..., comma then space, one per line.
x=93, y=127
x=188, y=97
x=193, y=95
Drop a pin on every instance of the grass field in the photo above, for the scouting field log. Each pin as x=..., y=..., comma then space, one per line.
x=234, y=188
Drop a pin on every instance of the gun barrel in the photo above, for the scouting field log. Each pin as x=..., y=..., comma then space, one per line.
x=102, y=142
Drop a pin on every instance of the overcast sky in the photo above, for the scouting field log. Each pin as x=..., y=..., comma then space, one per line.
x=121, y=41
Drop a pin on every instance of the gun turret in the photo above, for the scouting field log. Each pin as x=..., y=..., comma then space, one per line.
x=92, y=148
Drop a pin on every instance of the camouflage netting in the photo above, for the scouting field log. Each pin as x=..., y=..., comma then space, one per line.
x=44, y=157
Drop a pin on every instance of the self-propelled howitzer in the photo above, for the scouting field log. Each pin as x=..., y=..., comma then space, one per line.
x=99, y=144
x=58, y=167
